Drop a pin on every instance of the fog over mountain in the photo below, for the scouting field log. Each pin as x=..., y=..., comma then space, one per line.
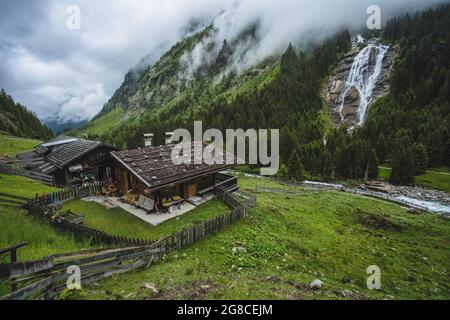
x=70, y=74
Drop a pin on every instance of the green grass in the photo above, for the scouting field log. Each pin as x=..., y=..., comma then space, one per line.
x=42, y=240
x=384, y=173
x=10, y=145
x=119, y=222
x=292, y=240
x=434, y=180
x=17, y=227
x=104, y=124
x=22, y=187
x=438, y=179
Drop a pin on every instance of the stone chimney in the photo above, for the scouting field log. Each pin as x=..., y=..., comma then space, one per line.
x=148, y=138
x=168, y=136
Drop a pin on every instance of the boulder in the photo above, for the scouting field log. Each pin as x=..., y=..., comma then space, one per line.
x=316, y=284
x=150, y=286
x=239, y=250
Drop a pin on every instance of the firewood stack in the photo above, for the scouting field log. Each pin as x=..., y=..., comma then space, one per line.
x=111, y=190
x=131, y=197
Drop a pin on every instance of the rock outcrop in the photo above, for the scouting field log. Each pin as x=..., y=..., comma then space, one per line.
x=351, y=103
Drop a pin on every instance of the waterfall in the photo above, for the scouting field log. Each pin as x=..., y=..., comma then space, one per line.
x=363, y=75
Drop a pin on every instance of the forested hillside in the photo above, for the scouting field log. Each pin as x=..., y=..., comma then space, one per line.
x=410, y=127
x=18, y=121
x=277, y=93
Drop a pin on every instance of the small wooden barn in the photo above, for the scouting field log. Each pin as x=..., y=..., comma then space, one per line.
x=72, y=161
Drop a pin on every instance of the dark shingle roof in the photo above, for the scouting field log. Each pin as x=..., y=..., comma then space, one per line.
x=44, y=147
x=154, y=165
x=72, y=151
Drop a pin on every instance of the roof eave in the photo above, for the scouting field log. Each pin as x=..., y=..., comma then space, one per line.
x=130, y=169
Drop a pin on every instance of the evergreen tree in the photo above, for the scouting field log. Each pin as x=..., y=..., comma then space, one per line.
x=402, y=162
x=327, y=166
x=420, y=158
x=295, y=167
x=381, y=149
x=283, y=171
x=289, y=61
x=372, y=164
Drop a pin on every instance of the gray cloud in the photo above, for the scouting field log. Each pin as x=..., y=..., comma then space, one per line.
x=71, y=74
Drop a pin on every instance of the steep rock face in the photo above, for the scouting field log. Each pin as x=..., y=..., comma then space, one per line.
x=344, y=98
x=350, y=107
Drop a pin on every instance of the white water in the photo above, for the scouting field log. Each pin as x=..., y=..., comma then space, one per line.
x=432, y=206
x=364, y=75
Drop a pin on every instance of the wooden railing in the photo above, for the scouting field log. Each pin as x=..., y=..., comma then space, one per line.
x=12, y=250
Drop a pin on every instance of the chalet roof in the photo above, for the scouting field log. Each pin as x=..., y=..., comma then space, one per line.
x=72, y=151
x=58, y=143
x=153, y=165
x=59, y=140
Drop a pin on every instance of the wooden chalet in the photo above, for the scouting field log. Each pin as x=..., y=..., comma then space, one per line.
x=150, y=172
x=69, y=161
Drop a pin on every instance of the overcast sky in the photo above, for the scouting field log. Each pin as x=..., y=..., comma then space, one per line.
x=56, y=71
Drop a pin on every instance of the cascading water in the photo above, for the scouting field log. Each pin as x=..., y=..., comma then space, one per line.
x=363, y=75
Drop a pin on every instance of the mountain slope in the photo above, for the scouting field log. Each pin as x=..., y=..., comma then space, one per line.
x=199, y=79
x=191, y=75
x=18, y=121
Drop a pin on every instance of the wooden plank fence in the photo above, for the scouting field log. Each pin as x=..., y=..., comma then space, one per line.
x=95, y=265
x=16, y=169
x=80, y=231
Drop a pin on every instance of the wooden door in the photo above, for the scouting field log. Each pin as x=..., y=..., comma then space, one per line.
x=192, y=189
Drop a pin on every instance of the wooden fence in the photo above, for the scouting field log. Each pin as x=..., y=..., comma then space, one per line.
x=14, y=201
x=68, y=194
x=9, y=169
x=45, y=279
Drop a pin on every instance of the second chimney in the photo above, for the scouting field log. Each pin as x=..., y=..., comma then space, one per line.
x=148, y=138
x=168, y=136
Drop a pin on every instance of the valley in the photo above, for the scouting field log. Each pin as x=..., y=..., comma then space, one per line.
x=364, y=156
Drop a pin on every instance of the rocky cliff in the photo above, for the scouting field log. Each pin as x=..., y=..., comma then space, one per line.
x=359, y=79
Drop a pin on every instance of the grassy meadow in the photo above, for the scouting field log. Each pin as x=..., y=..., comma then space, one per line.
x=10, y=145
x=438, y=179
x=116, y=221
x=290, y=240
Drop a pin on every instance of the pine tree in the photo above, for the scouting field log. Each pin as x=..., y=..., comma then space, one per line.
x=420, y=158
x=327, y=166
x=289, y=61
x=402, y=162
x=372, y=164
x=295, y=167
x=381, y=148
x=283, y=171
